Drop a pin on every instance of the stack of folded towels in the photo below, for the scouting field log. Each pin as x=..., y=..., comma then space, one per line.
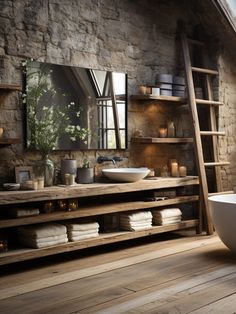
x=166, y=216
x=40, y=236
x=22, y=212
x=136, y=221
x=82, y=231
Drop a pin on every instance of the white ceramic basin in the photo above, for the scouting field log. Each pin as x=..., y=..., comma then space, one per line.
x=126, y=174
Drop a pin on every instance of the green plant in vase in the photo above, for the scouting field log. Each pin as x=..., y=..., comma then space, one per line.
x=47, y=119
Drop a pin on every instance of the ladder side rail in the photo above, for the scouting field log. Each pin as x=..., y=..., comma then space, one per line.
x=198, y=144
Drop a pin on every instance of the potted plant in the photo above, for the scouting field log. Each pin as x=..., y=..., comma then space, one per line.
x=85, y=174
x=47, y=120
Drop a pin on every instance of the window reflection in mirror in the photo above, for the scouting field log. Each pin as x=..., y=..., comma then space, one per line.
x=93, y=100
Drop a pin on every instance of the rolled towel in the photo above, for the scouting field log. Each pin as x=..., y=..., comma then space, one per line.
x=137, y=216
x=83, y=237
x=22, y=212
x=37, y=245
x=167, y=213
x=43, y=230
x=80, y=233
x=82, y=226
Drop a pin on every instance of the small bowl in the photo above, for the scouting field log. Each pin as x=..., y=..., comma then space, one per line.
x=11, y=186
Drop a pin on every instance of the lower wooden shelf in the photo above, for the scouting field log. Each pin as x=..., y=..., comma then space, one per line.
x=95, y=210
x=106, y=238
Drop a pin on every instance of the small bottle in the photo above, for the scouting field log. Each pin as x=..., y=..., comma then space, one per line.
x=171, y=129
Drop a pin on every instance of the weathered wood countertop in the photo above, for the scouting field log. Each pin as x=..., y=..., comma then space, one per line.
x=83, y=190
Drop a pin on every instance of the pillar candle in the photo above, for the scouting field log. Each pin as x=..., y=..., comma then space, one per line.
x=142, y=89
x=40, y=183
x=162, y=132
x=174, y=169
x=182, y=171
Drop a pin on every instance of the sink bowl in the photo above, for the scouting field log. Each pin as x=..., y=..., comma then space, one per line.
x=126, y=174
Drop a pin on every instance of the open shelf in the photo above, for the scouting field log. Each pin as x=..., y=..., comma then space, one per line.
x=171, y=99
x=9, y=141
x=160, y=140
x=95, y=210
x=93, y=189
x=106, y=238
x=13, y=87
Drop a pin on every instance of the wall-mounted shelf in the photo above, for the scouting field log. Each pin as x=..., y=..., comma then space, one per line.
x=159, y=140
x=9, y=141
x=12, y=87
x=170, y=99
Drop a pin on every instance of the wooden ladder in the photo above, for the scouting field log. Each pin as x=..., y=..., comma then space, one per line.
x=198, y=134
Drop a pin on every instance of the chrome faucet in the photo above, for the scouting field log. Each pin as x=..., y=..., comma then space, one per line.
x=114, y=159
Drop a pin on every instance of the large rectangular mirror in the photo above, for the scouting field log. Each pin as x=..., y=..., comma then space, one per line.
x=77, y=108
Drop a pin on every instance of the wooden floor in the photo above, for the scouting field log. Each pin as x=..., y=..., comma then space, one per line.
x=190, y=274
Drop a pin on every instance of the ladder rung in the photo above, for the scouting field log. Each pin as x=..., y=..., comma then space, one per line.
x=209, y=102
x=219, y=193
x=216, y=163
x=206, y=71
x=211, y=133
x=195, y=42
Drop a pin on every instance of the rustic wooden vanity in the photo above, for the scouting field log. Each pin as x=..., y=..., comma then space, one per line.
x=97, y=199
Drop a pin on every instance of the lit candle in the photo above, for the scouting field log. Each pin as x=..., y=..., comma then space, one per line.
x=142, y=89
x=162, y=132
x=174, y=169
x=182, y=171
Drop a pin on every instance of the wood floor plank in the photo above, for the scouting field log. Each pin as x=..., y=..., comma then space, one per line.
x=225, y=305
x=188, y=301
x=162, y=293
x=159, y=271
x=82, y=273
x=183, y=275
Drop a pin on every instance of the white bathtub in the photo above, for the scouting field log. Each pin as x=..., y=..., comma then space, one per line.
x=223, y=214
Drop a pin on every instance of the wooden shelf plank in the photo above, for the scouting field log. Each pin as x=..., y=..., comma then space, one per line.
x=6, y=86
x=159, y=140
x=169, y=99
x=95, y=210
x=93, y=189
x=27, y=254
x=9, y=141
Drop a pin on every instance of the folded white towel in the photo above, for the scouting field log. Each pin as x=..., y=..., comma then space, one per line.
x=137, y=216
x=42, y=240
x=177, y=218
x=83, y=237
x=166, y=221
x=82, y=226
x=136, y=224
x=43, y=230
x=135, y=228
x=80, y=233
x=23, y=212
x=124, y=219
x=168, y=212
x=35, y=245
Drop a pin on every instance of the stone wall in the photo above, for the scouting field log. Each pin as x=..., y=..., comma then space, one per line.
x=136, y=37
